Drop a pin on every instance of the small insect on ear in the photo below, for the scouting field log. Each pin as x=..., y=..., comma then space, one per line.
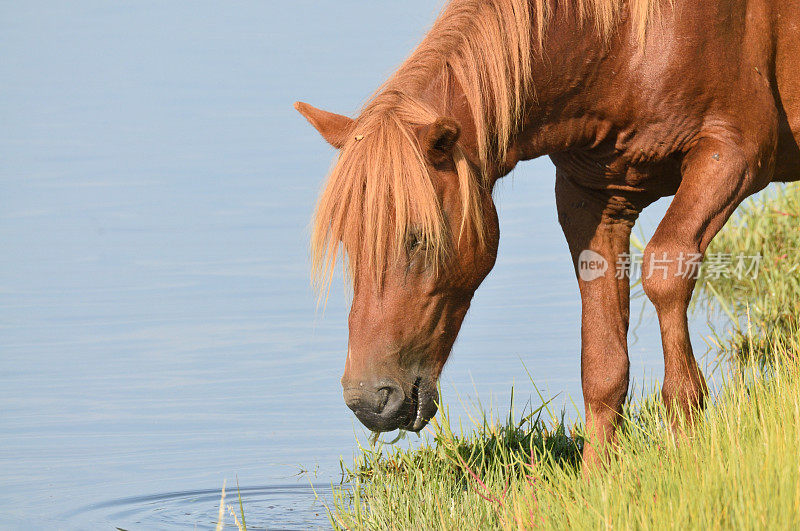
x=438, y=139
x=333, y=127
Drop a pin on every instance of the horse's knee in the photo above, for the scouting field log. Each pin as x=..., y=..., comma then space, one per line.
x=666, y=279
x=605, y=384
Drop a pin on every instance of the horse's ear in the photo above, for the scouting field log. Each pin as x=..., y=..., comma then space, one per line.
x=438, y=139
x=334, y=128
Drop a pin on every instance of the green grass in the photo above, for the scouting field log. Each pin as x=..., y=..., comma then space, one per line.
x=739, y=467
x=768, y=303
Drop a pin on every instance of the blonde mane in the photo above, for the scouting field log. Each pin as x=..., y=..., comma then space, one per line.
x=380, y=193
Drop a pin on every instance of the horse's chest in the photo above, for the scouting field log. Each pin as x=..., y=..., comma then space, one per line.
x=607, y=168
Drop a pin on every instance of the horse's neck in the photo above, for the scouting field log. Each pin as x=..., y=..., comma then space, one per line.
x=562, y=71
x=562, y=67
x=558, y=112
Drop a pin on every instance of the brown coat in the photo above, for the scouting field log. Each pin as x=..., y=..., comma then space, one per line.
x=633, y=101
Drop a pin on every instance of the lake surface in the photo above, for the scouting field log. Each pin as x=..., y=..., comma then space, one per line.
x=158, y=334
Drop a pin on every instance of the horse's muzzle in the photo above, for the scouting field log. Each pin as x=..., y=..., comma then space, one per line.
x=384, y=406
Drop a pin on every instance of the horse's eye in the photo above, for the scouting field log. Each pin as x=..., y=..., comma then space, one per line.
x=414, y=242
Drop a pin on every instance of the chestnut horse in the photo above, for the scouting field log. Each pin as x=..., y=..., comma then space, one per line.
x=632, y=100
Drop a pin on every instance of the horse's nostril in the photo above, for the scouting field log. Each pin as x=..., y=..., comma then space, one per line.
x=380, y=407
x=383, y=397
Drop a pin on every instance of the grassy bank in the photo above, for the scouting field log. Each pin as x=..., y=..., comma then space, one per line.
x=739, y=468
x=766, y=308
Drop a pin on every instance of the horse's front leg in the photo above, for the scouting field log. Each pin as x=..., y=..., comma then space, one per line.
x=597, y=226
x=716, y=178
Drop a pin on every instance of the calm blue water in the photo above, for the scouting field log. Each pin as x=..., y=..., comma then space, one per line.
x=157, y=330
